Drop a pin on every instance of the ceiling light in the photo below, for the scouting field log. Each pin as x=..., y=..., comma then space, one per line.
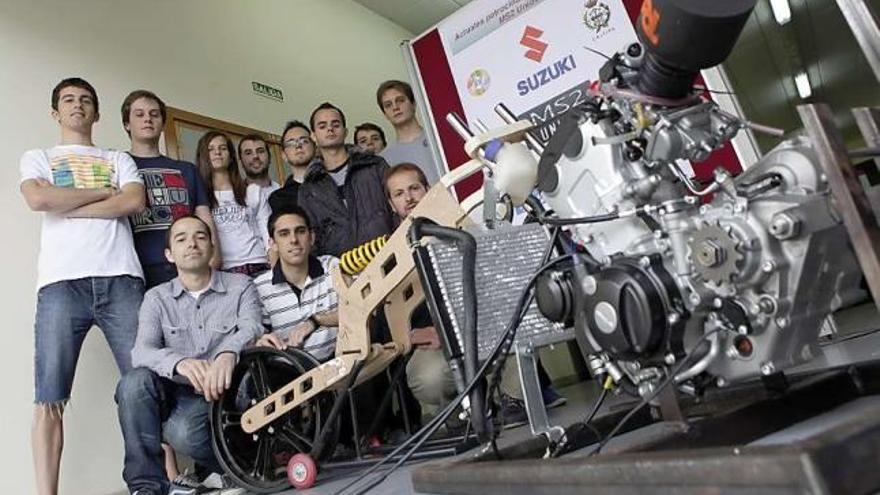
x=802, y=81
x=781, y=11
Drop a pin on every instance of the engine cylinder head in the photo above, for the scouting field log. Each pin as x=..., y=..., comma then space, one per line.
x=682, y=37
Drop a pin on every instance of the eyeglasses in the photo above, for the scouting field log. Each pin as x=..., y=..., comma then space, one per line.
x=293, y=143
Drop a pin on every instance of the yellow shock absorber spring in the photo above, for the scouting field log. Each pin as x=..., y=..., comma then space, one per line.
x=356, y=259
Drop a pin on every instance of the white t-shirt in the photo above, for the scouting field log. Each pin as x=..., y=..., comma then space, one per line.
x=72, y=248
x=195, y=294
x=242, y=230
x=272, y=187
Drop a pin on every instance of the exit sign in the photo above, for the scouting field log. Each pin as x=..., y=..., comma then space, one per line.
x=267, y=91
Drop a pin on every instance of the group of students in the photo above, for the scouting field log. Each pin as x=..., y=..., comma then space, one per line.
x=182, y=267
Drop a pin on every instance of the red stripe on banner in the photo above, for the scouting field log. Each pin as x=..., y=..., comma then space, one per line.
x=632, y=8
x=440, y=91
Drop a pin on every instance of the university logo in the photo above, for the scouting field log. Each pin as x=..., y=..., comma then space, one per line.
x=531, y=40
x=478, y=82
x=596, y=15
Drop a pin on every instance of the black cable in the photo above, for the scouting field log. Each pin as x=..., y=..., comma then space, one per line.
x=517, y=316
x=646, y=400
x=467, y=247
x=586, y=422
x=598, y=404
x=429, y=429
x=422, y=435
x=606, y=57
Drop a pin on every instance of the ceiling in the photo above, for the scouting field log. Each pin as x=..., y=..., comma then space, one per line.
x=763, y=63
x=414, y=15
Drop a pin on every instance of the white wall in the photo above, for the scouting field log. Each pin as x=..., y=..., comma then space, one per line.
x=198, y=55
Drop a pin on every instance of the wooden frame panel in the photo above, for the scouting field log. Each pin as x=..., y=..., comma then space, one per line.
x=361, y=297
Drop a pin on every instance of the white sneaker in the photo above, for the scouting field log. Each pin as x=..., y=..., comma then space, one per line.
x=221, y=485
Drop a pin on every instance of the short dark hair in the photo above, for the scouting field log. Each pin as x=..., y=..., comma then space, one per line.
x=168, y=232
x=369, y=126
x=287, y=210
x=403, y=167
x=255, y=137
x=325, y=106
x=76, y=82
x=137, y=95
x=293, y=124
x=401, y=86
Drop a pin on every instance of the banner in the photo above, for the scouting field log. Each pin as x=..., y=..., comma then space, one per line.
x=535, y=56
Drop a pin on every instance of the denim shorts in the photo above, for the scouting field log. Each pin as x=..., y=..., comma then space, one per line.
x=66, y=311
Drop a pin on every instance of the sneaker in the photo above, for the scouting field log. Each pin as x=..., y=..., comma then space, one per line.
x=552, y=398
x=222, y=484
x=145, y=491
x=187, y=484
x=513, y=412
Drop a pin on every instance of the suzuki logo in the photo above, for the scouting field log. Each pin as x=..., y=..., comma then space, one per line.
x=536, y=47
x=546, y=75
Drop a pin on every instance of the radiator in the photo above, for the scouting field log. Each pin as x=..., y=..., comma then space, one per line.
x=507, y=257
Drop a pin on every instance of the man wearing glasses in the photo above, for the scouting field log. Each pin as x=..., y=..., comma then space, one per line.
x=299, y=150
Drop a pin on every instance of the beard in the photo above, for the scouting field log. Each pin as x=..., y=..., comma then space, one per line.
x=256, y=175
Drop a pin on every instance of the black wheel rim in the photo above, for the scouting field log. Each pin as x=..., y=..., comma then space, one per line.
x=258, y=461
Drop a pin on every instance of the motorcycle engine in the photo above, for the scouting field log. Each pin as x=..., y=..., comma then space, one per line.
x=753, y=264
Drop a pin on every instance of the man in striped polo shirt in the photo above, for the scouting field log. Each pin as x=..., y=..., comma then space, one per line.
x=299, y=302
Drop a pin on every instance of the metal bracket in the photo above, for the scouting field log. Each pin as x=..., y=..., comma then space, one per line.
x=850, y=199
x=534, y=400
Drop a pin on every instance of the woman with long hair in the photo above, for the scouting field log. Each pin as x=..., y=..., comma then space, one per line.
x=239, y=211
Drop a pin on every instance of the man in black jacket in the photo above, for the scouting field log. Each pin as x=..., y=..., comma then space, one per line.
x=343, y=191
x=299, y=151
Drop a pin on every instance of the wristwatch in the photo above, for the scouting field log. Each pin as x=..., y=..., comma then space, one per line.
x=314, y=322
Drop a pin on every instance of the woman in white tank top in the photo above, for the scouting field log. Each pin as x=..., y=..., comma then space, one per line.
x=239, y=211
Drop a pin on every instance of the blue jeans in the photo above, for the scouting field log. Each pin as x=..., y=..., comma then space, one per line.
x=66, y=311
x=152, y=408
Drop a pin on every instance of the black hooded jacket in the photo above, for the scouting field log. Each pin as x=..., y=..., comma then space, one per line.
x=346, y=217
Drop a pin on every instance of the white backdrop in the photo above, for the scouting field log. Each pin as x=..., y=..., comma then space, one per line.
x=530, y=54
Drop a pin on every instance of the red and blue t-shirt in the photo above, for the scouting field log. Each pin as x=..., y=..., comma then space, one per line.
x=174, y=189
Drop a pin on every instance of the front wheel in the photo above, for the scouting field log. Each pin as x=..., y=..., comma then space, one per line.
x=258, y=461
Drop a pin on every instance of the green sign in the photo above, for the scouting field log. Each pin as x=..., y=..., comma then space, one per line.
x=267, y=91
